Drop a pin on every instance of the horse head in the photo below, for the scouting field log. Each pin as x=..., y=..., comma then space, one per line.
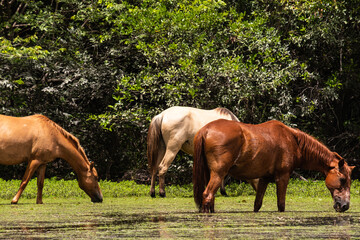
x=89, y=183
x=338, y=181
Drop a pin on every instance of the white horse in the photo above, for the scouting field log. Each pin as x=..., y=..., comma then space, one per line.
x=173, y=130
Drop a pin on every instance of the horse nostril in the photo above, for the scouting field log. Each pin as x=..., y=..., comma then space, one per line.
x=97, y=198
x=345, y=207
x=341, y=207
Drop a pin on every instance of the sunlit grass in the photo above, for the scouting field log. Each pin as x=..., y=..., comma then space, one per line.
x=70, y=188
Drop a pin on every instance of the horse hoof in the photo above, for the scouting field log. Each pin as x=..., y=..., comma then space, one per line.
x=162, y=195
x=152, y=195
x=256, y=209
x=12, y=202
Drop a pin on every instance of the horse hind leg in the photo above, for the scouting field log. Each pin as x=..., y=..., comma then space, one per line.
x=161, y=154
x=30, y=169
x=152, y=186
x=171, y=150
x=222, y=187
x=219, y=165
x=208, y=203
x=254, y=183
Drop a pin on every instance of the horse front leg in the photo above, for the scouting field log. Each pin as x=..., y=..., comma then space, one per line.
x=261, y=189
x=40, y=183
x=281, y=186
x=30, y=169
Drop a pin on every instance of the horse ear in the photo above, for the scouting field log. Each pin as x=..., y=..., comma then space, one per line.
x=91, y=165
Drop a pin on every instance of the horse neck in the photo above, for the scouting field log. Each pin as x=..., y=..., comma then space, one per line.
x=69, y=148
x=75, y=156
x=314, y=154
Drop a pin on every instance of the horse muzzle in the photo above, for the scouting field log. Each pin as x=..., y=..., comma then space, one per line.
x=341, y=206
x=97, y=198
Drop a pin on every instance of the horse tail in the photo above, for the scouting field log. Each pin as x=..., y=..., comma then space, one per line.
x=201, y=173
x=154, y=139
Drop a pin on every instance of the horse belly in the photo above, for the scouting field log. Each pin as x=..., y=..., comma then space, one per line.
x=12, y=156
x=188, y=148
x=252, y=169
x=13, y=152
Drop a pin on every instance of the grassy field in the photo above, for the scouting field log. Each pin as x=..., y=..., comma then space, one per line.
x=128, y=212
x=70, y=188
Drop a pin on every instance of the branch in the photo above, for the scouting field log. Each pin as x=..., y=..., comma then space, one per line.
x=299, y=176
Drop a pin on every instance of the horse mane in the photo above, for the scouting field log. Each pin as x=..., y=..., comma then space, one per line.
x=312, y=149
x=71, y=138
x=225, y=111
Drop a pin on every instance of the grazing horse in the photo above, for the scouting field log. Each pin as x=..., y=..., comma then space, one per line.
x=269, y=151
x=38, y=141
x=173, y=130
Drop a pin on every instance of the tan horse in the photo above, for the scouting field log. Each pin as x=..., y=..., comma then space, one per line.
x=269, y=151
x=38, y=141
x=173, y=130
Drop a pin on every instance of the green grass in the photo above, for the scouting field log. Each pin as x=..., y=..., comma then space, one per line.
x=129, y=212
x=69, y=188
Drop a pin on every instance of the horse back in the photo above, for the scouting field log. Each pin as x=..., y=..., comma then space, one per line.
x=253, y=151
x=18, y=129
x=190, y=120
x=22, y=137
x=223, y=138
x=180, y=124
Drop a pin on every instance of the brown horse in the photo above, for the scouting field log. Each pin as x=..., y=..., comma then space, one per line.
x=269, y=151
x=173, y=130
x=38, y=141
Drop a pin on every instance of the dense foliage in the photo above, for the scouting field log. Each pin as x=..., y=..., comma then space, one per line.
x=102, y=69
